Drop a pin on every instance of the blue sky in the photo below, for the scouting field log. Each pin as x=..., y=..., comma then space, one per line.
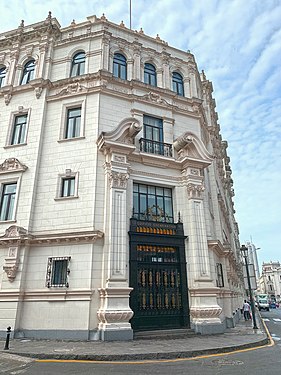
x=238, y=44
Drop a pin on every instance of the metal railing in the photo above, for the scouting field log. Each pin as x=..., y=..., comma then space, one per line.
x=154, y=147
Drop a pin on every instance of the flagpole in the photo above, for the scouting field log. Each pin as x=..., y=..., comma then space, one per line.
x=130, y=14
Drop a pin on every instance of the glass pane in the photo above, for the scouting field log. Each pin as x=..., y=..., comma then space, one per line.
x=136, y=203
x=142, y=188
x=11, y=207
x=70, y=127
x=71, y=186
x=159, y=191
x=74, y=70
x=148, y=132
x=82, y=68
x=64, y=188
x=168, y=206
x=143, y=206
x=167, y=192
x=151, y=189
x=74, y=112
x=77, y=127
x=4, y=208
x=10, y=188
x=115, y=70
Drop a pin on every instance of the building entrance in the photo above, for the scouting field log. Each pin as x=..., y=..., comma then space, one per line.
x=158, y=276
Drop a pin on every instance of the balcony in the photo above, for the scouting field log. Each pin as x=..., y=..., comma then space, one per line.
x=154, y=147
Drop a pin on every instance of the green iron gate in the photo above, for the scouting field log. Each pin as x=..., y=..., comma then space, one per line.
x=158, y=276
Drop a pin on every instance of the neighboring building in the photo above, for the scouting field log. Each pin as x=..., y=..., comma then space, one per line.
x=270, y=280
x=253, y=262
x=116, y=190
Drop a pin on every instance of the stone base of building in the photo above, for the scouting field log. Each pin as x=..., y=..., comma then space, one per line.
x=208, y=328
x=49, y=334
x=116, y=335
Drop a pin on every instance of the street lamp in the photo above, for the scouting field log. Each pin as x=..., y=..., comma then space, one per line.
x=244, y=251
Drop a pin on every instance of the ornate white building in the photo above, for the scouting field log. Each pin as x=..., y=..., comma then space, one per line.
x=270, y=280
x=116, y=211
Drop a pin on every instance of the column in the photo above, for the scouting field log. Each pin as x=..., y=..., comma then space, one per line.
x=204, y=308
x=114, y=313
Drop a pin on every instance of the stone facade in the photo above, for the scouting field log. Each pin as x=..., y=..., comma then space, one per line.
x=74, y=149
x=270, y=280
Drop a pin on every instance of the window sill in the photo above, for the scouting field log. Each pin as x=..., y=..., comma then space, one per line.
x=66, y=198
x=70, y=139
x=7, y=221
x=16, y=145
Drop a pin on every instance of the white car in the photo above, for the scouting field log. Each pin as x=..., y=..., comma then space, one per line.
x=263, y=304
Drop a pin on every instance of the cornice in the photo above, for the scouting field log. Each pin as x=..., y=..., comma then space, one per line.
x=15, y=235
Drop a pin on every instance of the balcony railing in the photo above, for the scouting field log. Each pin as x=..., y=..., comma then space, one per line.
x=158, y=148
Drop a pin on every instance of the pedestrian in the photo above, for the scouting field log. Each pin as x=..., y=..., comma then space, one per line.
x=246, y=310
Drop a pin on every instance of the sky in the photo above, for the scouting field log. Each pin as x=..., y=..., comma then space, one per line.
x=238, y=44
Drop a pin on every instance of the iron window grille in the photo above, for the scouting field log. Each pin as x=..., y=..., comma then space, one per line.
x=7, y=203
x=58, y=272
x=2, y=76
x=119, y=66
x=178, y=84
x=28, y=72
x=78, y=64
x=19, y=130
x=73, y=123
x=220, y=281
x=150, y=74
x=152, y=203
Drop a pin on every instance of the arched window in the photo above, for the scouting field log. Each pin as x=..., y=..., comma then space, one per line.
x=178, y=84
x=28, y=72
x=78, y=64
x=150, y=74
x=119, y=66
x=2, y=76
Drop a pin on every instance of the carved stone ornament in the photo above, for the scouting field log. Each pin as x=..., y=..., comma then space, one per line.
x=156, y=98
x=72, y=88
x=12, y=165
x=11, y=271
x=118, y=180
x=195, y=190
x=209, y=312
x=14, y=231
x=7, y=98
x=114, y=316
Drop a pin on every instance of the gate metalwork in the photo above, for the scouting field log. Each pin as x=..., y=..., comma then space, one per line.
x=158, y=276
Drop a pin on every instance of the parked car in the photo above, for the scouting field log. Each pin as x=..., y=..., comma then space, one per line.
x=272, y=305
x=263, y=304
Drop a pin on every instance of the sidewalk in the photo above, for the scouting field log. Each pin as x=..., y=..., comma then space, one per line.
x=241, y=337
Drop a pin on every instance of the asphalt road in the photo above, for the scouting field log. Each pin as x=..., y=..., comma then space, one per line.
x=260, y=361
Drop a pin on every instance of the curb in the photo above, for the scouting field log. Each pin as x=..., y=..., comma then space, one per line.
x=142, y=356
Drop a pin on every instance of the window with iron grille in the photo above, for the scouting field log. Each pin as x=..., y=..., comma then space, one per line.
x=220, y=281
x=152, y=203
x=28, y=72
x=119, y=66
x=58, y=272
x=78, y=64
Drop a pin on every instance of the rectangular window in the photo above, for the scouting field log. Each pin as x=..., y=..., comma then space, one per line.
x=68, y=187
x=153, y=136
x=7, y=204
x=220, y=281
x=73, y=123
x=19, y=130
x=58, y=272
x=152, y=203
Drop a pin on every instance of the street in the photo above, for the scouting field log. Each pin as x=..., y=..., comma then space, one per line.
x=266, y=360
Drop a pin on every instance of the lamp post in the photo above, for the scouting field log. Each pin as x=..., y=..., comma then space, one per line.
x=244, y=251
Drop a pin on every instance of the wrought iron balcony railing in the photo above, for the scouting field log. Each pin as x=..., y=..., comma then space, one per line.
x=158, y=148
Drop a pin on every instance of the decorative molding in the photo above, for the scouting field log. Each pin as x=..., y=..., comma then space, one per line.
x=155, y=98
x=72, y=88
x=12, y=165
x=205, y=313
x=195, y=190
x=15, y=235
x=118, y=179
x=11, y=263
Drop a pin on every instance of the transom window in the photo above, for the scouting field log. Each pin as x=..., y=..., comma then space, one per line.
x=28, y=72
x=152, y=203
x=78, y=64
x=2, y=76
x=68, y=187
x=119, y=66
x=19, y=130
x=73, y=123
x=178, y=84
x=7, y=204
x=150, y=74
x=58, y=272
